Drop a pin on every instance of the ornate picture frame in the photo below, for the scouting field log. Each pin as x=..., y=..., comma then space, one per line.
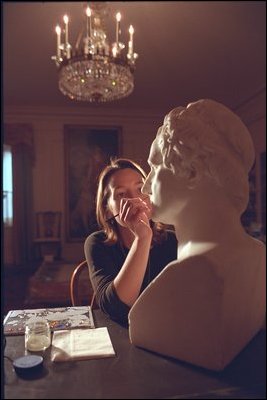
x=87, y=150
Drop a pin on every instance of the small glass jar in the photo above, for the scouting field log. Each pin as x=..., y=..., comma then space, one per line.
x=37, y=335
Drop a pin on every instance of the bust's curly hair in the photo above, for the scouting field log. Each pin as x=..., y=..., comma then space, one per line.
x=208, y=134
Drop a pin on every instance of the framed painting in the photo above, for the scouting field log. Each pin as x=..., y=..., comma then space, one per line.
x=88, y=150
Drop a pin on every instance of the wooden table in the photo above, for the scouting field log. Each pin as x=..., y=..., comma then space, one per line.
x=136, y=373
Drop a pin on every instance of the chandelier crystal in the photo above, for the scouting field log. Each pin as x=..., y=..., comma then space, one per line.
x=95, y=70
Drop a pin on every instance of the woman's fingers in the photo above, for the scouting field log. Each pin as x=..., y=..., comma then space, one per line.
x=131, y=211
x=131, y=208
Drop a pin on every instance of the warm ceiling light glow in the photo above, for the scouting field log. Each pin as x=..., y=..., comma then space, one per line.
x=118, y=16
x=95, y=70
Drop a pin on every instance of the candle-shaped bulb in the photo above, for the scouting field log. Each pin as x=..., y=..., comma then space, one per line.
x=130, y=44
x=66, y=21
x=131, y=31
x=89, y=14
x=118, y=18
x=58, y=32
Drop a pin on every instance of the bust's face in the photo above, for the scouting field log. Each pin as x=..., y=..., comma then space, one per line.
x=168, y=192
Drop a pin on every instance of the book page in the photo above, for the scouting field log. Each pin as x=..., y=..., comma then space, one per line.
x=81, y=344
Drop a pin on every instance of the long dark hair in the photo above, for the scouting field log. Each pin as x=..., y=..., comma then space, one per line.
x=109, y=225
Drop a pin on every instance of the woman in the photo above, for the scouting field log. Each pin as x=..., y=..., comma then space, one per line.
x=131, y=250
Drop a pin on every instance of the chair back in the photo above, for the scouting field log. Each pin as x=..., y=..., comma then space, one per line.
x=48, y=224
x=75, y=284
x=47, y=240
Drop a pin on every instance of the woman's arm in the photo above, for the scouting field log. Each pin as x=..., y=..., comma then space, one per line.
x=135, y=225
x=129, y=280
x=104, y=262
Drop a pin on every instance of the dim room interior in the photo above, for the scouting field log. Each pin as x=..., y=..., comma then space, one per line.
x=58, y=135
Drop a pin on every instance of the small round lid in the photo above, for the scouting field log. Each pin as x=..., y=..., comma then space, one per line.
x=27, y=363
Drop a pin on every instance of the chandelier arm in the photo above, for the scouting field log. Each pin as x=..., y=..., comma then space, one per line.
x=78, y=41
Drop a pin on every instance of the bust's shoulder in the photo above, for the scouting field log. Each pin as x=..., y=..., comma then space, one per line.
x=196, y=267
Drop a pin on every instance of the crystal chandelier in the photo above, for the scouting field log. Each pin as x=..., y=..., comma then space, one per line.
x=95, y=70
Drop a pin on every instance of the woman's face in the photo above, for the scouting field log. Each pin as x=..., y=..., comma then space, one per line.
x=124, y=183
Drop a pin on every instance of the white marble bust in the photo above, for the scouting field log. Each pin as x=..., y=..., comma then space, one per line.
x=207, y=305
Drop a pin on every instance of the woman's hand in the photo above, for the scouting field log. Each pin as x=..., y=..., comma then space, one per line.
x=134, y=214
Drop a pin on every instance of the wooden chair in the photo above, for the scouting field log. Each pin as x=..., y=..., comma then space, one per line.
x=75, y=285
x=48, y=234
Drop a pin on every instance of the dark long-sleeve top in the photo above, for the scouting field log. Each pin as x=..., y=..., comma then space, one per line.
x=105, y=261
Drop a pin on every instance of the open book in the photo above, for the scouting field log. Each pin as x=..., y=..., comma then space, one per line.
x=81, y=344
x=59, y=318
